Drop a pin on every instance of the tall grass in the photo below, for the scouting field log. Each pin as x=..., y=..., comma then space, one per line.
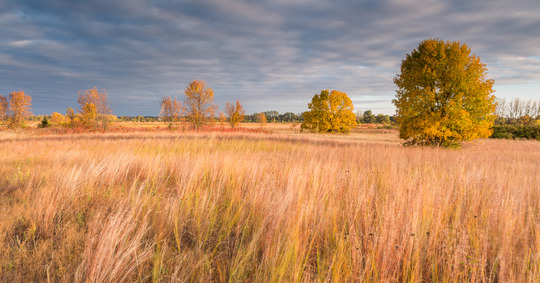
x=260, y=207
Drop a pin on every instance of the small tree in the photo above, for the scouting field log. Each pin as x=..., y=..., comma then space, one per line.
x=199, y=105
x=443, y=95
x=19, y=108
x=330, y=112
x=382, y=119
x=369, y=118
x=99, y=100
x=88, y=115
x=171, y=110
x=222, y=119
x=70, y=114
x=97, y=97
x=262, y=120
x=4, y=106
x=236, y=113
x=44, y=122
x=58, y=119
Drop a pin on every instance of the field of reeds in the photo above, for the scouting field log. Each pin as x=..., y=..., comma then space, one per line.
x=252, y=207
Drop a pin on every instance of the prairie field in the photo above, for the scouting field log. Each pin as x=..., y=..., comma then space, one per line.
x=266, y=207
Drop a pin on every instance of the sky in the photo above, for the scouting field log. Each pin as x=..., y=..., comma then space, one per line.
x=270, y=55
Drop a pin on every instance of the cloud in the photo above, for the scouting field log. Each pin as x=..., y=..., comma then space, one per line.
x=271, y=55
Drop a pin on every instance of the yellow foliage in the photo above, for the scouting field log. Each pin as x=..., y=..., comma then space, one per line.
x=236, y=113
x=262, y=120
x=330, y=112
x=4, y=106
x=88, y=115
x=98, y=98
x=19, y=107
x=171, y=109
x=57, y=118
x=443, y=96
x=199, y=105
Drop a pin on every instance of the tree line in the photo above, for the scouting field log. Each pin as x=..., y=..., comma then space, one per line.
x=443, y=97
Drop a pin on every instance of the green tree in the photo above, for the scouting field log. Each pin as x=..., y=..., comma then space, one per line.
x=382, y=119
x=443, y=95
x=330, y=112
x=369, y=118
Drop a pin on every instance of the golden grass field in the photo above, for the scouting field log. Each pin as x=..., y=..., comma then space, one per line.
x=275, y=206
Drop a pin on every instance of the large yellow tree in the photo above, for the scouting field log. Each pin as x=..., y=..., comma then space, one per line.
x=443, y=95
x=199, y=103
x=330, y=112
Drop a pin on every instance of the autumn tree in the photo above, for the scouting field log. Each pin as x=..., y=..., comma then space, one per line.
x=199, y=103
x=236, y=113
x=4, y=106
x=88, y=115
x=58, y=119
x=97, y=97
x=171, y=109
x=70, y=114
x=99, y=100
x=222, y=119
x=18, y=108
x=330, y=112
x=262, y=120
x=443, y=95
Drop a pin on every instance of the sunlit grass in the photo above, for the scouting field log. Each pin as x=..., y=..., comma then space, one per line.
x=266, y=207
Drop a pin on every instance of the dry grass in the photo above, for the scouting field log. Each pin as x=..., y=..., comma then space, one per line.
x=265, y=207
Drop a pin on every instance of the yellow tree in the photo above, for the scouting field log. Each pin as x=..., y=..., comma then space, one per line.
x=236, y=113
x=98, y=98
x=4, y=105
x=171, y=109
x=19, y=108
x=199, y=103
x=443, y=95
x=70, y=114
x=58, y=119
x=330, y=112
x=262, y=120
x=88, y=115
x=222, y=119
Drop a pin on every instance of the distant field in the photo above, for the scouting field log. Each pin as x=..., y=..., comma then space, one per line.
x=276, y=205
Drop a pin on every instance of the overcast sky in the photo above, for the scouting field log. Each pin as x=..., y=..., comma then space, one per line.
x=271, y=55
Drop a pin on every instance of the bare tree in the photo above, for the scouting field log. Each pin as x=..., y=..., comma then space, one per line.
x=199, y=103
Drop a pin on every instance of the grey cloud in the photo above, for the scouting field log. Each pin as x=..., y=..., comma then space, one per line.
x=272, y=55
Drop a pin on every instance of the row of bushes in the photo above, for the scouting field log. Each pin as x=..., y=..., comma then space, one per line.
x=516, y=132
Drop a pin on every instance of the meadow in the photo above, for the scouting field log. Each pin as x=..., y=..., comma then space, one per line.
x=271, y=206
